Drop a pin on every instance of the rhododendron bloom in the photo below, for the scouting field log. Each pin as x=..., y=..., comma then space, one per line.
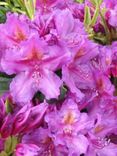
x=16, y=29
x=32, y=63
x=66, y=126
x=78, y=74
x=71, y=35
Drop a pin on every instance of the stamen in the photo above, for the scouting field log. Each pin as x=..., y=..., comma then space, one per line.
x=36, y=77
x=101, y=142
x=69, y=118
x=67, y=130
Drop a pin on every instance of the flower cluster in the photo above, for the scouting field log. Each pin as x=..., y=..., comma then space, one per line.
x=62, y=99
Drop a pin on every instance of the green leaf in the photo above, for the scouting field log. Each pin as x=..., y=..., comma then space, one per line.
x=30, y=7
x=14, y=143
x=20, y=6
x=100, y=2
x=10, y=145
x=3, y=153
x=19, y=3
x=3, y=11
x=63, y=92
x=8, y=106
x=4, y=84
x=7, y=146
x=87, y=16
x=93, y=2
x=96, y=2
x=79, y=1
x=95, y=16
x=4, y=3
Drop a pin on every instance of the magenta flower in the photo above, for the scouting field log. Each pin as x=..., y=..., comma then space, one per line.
x=69, y=125
x=104, y=113
x=35, y=69
x=6, y=128
x=20, y=119
x=28, y=118
x=16, y=29
x=40, y=137
x=73, y=33
x=36, y=116
x=78, y=73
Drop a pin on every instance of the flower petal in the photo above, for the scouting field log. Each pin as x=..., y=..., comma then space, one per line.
x=22, y=87
x=49, y=85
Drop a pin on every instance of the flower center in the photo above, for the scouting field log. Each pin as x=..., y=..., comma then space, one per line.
x=69, y=118
x=100, y=83
x=35, y=54
x=99, y=128
x=19, y=35
x=79, y=54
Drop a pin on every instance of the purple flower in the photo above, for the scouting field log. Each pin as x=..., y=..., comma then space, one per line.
x=36, y=116
x=35, y=70
x=42, y=139
x=73, y=33
x=20, y=119
x=78, y=73
x=104, y=113
x=69, y=125
x=16, y=29
x=28, y=118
